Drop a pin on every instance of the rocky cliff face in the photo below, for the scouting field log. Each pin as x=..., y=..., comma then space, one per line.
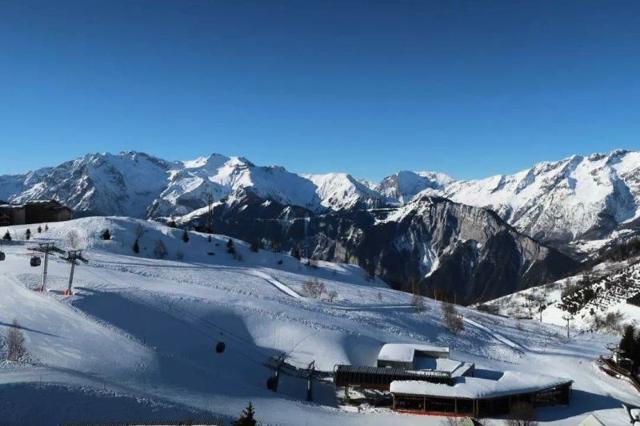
x=466, y=252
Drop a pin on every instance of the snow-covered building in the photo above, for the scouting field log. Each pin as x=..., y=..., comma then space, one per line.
x=486, y=393
x=409, y=356
x=403, y=361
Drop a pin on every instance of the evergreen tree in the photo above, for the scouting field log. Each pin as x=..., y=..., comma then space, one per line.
x=136, y=246
x=7, y=236
x=46, y=227
x=247, y=418
x=106, y=235
x=231, y=248
x=185, y=236
x=628, y=340
x=295, y=252
x=255, y=246
x=39, y=229
x=27, y=234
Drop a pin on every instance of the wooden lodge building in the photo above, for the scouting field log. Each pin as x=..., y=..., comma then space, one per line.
x=36, y=211
x=423, y=379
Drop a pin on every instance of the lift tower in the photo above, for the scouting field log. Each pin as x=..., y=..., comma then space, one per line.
x=73, y=256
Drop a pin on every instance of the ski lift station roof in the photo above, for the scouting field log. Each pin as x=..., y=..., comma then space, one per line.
x=509, y=383
x=406, y=352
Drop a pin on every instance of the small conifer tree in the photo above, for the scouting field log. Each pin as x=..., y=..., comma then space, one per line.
x=136, y=246
x=255, y=246
x=247, y=418
x=231, y=248
x=185, y=236
x=7, y=236
x=27, y=234
x=106, y=235
x=39, y=229
x=295, y=252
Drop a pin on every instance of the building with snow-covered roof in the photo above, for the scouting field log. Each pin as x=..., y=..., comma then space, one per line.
x=409, y=355
x=480, y=395
x=403, y=361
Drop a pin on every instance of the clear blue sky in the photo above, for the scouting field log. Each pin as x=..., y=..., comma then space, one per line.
x=367, y=87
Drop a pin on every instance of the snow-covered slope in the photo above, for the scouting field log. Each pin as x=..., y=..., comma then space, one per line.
x=596, y=299
x=578, y=197
x=137, y=340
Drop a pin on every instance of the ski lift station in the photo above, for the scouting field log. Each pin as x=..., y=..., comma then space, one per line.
x=424, y=379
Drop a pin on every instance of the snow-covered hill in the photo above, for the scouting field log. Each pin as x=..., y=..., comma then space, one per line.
x=592, y=300
x=137, y=339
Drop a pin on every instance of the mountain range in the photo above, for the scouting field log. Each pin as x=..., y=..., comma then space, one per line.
x=479, y=239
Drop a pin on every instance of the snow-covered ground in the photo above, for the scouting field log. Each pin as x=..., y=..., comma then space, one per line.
x=137, y=339
x=612, y=282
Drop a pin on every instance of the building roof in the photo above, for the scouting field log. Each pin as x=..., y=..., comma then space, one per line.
x=509, y=383
x=405, y=352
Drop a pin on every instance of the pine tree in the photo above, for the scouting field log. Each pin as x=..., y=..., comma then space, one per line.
x=185, y=236
x=7, y=236
x=39, y=229
x=136, y=246
x=295, y=252
x=106, y=235
x=27, y=234
x=46, y=227
x=247, y=417
x=231, y=248
x=628, y=340
x=255, y=246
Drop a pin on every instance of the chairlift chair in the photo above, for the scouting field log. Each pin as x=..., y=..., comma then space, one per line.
x=35, y=261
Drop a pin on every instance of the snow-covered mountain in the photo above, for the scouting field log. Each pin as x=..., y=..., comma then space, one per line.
x=467, y=252
x=140, y=185
x=123, y=184
x=575, y=198
x=192, y=182
x=339, y=191
x=403, y=186
x=578, y=198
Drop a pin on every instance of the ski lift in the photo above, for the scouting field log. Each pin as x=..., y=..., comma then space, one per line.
x=2, y=256
x=220, y=347
x=35, y=261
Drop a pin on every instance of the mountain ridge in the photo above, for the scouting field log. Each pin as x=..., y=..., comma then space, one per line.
x=576, y=198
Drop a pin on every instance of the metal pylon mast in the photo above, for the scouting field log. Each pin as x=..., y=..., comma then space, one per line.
x=46, y=248
x=73, y=256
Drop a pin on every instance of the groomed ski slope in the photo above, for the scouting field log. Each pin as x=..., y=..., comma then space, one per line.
x=136, y=342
